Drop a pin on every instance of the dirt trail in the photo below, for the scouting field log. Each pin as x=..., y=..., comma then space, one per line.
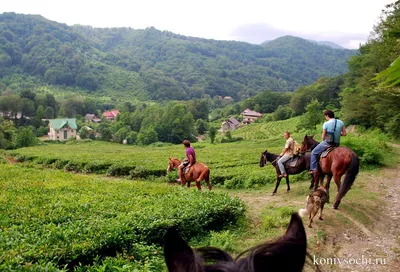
x=363, y=235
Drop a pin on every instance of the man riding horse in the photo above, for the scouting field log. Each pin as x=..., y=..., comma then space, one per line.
x=332, y=129
x=188, y=161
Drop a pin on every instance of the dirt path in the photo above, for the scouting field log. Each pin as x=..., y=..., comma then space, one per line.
x=363, y=235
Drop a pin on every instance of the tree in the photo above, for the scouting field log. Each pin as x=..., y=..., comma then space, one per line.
x=25, y=137
x=40, y=112
x=312, y=117
x=212, y=133
x=147, y=136
x=201, y=126
x=49, y=113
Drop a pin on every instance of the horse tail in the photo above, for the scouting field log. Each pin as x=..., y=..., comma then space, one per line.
x=351, y=174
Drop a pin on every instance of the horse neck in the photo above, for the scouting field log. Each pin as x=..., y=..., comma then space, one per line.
x=313, y=144
x=272, y=158
x=176, y=163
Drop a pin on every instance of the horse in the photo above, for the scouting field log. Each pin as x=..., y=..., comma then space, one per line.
x=288, y=253
x=198, y=172
x=339, y=161
x=302, y=164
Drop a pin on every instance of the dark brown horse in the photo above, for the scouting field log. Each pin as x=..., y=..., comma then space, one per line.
x=339, y=161
x=288, y=253
x=198, y=172
x=302, y=164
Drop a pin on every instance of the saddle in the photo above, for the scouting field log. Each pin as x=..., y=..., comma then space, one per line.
x=291, y=162
x=327, y=151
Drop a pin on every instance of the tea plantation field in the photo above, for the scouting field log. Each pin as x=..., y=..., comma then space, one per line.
x=50, y=219
x=234, y=165
x=94, y=206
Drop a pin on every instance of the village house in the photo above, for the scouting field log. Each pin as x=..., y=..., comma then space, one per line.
x=230, y=124
x=111, y=115
x=250, y=115
x=62, y=129
x=92, y=118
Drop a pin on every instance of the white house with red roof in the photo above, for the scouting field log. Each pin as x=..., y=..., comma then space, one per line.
x=250, y=115
x=111, y=115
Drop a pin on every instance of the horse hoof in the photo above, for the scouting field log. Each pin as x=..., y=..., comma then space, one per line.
x=272, y=194
x=335, y=207
x=321, y=218
x=309, y=226
x=288, y=190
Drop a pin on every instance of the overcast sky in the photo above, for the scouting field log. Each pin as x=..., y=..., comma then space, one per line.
x=345, y=22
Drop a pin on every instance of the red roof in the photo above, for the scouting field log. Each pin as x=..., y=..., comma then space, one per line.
x=111, y=114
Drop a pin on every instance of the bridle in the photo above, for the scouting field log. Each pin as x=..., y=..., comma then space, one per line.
x=266, y=161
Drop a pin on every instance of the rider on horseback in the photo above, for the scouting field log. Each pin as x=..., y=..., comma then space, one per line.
x=188, y=161
x=332, y=127
x=286, y=154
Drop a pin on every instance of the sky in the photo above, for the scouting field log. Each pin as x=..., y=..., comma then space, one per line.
x=345, y=22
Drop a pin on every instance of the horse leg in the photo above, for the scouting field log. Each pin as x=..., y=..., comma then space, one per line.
x=287, y=182
x=337, y=181
x=198, y=185
x=316, y=180
x=312, y=182
x=278, y=181
x=328, y=183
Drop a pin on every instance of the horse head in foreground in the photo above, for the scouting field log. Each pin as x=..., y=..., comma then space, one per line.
x=285, y=254
x=198, y=172
x=341, y=160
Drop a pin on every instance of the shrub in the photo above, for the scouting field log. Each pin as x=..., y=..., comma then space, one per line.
x=370, y=147
x=120, y=169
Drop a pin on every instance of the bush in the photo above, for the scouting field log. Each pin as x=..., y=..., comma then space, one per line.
x=370, y=147
x=120, y=169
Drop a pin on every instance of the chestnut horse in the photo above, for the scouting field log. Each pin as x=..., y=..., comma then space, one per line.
x=339, y=161
x=198, y=172
x=302, y=164
x=288, y=253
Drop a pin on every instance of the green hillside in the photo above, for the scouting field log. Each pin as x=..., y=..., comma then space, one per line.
x=151, y=64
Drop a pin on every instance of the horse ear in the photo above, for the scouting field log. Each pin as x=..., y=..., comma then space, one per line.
x=179, y=256
x=275, y=256
x=312, y=136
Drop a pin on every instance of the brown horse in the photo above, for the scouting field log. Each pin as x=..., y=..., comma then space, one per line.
x=198, y=172
x=339, y=161
x=302, y=164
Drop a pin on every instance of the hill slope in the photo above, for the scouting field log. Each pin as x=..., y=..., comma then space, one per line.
x=151, y=64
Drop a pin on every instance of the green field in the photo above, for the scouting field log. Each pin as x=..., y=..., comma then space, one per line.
x=94, y=205
x=237, y=160
x=55, y=219
x=98, y=206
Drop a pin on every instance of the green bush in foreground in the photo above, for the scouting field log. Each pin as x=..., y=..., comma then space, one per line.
x=52, y=219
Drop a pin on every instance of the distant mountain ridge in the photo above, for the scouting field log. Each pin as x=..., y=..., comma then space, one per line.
x=327, y=43
x=153, y=64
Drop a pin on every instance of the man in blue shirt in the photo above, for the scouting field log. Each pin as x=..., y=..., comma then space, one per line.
x=329, y=126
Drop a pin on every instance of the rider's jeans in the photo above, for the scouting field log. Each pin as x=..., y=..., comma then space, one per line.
x=281, y=161
x=315, y=153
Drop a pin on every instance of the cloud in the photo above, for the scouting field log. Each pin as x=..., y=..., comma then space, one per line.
x=261, y=32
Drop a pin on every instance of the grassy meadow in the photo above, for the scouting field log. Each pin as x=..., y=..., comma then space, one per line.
x=98, y=206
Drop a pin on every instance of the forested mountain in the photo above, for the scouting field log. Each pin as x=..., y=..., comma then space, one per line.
x=153, y=64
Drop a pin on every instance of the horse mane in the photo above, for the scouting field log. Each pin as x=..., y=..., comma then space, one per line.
x=311, y=141
x=285, y=254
